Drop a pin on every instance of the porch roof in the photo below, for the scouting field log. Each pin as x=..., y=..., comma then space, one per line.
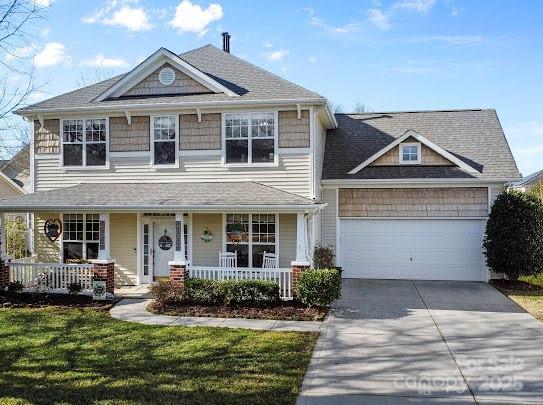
x=202, y=196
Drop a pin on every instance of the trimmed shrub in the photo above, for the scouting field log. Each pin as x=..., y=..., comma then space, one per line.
x=514, y=235
x=319, y=287
x=205, y=292
x=15, y=287
x=167, y=293
x=74, y=288
x=251, y=293
x=323, y=258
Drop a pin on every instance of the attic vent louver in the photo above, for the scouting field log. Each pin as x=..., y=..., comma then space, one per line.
x=166, y=76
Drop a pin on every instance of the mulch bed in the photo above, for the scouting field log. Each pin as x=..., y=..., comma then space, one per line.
x=290, y=311
x=516, y=286
x=46, y=300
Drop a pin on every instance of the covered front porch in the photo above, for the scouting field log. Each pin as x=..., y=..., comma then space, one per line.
x=147, y=231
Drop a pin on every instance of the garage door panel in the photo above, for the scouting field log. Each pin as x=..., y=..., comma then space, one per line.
x=412, y=249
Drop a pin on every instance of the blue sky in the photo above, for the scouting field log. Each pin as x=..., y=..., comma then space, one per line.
x=388, y=55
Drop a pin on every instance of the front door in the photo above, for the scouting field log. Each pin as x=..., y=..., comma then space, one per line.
x=163, y=248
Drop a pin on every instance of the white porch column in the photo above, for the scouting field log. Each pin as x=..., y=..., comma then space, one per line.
x=3, y=249
x=301, y=241
x=179, y=254
x=104, y=231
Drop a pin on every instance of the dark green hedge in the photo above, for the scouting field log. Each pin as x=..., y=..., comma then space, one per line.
x=319, y=287
x=211, y=292
x=514, y=235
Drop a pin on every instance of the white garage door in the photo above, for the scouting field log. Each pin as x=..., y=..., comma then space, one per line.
x=420, y=249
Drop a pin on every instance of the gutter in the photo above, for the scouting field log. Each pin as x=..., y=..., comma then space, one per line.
x=343, y=182
x=179, y=106
x=157, y=208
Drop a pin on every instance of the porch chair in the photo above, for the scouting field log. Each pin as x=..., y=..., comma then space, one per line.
x=228, y=259
x=269, y=261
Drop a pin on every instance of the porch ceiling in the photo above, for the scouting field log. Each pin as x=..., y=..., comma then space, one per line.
x=160, y=197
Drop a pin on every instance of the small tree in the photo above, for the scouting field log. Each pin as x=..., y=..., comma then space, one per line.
x=514, y=235
x=537, y=190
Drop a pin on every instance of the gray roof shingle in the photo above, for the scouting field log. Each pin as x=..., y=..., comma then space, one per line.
x=244, y=78
x=158, y=196
x=474, y=136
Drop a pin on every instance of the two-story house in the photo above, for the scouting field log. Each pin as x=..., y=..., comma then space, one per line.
x=189, y=156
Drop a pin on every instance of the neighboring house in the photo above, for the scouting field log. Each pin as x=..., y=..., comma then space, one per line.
x=528, y=182
x=160, y=165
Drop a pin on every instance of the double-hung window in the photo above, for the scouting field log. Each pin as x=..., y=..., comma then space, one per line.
x=258, y=235
x=250, y=137
x=164, y=137
x=84, y=142
x=410, y=153
x=80, y=236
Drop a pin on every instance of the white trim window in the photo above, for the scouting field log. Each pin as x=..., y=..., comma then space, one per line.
x=410, y=153
x=259, y=235
x=164, y=140
x=85, y=142
x=250, y=138
x=80, y=236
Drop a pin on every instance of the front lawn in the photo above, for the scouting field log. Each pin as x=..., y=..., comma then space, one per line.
x=84, y=356
x=527, y=291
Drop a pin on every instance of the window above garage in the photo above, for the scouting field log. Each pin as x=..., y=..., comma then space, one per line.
x=410, y=153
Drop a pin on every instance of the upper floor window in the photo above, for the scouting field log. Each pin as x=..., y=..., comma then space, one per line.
x=84, y=142
x=410, y=153
x=164, y=137
x=250, y=137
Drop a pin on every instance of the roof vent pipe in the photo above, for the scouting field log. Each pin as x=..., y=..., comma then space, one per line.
x=226, y=42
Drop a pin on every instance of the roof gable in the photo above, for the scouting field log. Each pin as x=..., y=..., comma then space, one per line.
x=154, y=62
x=428, y=156
x=419, y=138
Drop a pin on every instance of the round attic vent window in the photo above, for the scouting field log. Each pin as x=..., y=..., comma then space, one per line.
x=166, y=76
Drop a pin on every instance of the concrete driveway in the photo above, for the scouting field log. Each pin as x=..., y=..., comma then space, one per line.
x=396, y=341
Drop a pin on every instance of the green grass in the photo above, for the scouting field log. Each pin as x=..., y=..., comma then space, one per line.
x=531, y=301
x=82, y=356
x=537, y=279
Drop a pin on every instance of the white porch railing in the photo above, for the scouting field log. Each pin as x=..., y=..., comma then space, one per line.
x=51, y=276
x=282, y=276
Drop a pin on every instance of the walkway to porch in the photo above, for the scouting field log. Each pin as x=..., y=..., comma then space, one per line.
x=133, y=310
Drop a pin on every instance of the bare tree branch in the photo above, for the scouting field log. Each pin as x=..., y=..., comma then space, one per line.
x=18, y=19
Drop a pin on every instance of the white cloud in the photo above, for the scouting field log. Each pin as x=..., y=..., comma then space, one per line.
x=53, y=54
x=44, y=32
x=267, y=44
x=192, y=18
x=37, y=96
x=101, y=61
x=340, y=29
x=529, y=129
x=42, y=3
x=277, y=55
x=120, y=13
x=450, y=39
x=378, y=18
x=18, y=53
x=455, y=11
x=421, y=6
x=312, y=59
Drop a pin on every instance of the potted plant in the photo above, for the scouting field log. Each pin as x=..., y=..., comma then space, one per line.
x=235, y=232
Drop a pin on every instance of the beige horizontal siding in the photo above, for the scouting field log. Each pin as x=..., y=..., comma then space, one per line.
x=287, y=239
x=182, y=84
x=206, y=253
x=129, y=138
x=47, y=139
x=7, y=190
x=293, y=132
x=413, y=202
x=203, y=135
x=292, y=173
x=328, y=218
x=123, y=241
x=46, y=251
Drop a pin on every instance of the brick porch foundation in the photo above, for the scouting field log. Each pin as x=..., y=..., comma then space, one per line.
x=179, y=273
x=4, y=274
x=105, y=271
